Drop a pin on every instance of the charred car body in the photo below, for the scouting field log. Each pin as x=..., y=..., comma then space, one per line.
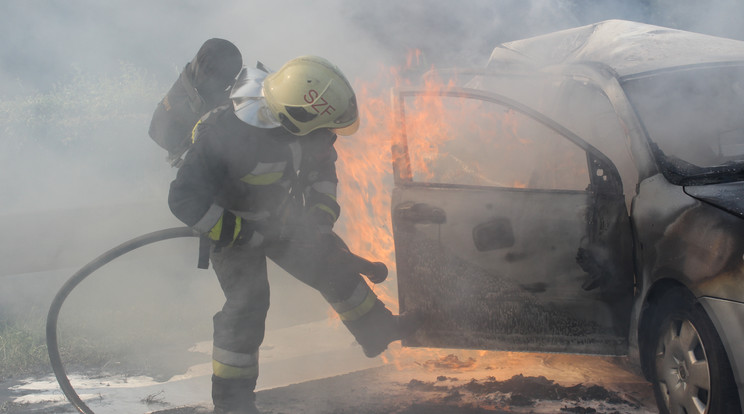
x=584, y=193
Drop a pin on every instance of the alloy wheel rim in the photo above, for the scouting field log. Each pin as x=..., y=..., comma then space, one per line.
x=682, y=369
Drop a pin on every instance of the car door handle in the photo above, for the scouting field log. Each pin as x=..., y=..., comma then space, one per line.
x=420, y=213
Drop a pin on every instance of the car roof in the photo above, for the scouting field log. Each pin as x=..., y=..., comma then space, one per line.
x=627, y=47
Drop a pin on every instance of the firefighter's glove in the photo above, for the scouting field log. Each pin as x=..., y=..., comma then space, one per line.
x=231, y=230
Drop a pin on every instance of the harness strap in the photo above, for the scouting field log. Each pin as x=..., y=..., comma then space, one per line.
x=204, y=247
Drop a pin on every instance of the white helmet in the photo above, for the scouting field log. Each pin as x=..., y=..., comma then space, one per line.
x=309, y=93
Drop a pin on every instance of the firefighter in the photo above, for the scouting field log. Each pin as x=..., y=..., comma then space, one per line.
x=260, y=182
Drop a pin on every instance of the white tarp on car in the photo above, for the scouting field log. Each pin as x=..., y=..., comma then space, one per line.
x=627, y=47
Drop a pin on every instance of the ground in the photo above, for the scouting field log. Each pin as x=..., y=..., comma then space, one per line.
x=317, y=368
x=312, y=365
x=459, y=384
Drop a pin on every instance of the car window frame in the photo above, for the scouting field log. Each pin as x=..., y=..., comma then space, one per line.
x=403, y=175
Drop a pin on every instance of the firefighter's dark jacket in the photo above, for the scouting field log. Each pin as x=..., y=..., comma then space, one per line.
x=255, y=173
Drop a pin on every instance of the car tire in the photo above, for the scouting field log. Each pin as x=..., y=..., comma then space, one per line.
x=690, y=370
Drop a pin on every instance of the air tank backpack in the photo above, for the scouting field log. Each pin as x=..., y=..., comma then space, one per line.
x=202, y=86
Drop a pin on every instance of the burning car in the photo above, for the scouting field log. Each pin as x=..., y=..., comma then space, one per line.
x=583, y=193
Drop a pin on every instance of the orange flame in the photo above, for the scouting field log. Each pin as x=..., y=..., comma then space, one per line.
x=365, y=169
x=366, y=174
x=365, y=161
x=365, y=184
x=365, y=164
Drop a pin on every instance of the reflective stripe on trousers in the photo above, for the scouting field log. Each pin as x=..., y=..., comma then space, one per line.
x=232, y=365
x=360, y=302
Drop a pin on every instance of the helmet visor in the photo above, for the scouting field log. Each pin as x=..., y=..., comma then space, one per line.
x=349, y=117
x=347, y=130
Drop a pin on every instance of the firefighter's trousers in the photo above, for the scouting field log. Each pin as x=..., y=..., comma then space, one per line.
x=239, y=327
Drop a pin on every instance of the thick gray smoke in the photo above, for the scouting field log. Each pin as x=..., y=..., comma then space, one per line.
x=79, y=80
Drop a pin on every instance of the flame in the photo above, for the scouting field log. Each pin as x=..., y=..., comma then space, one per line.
x=365, y=162
x=365, y=184
x=365, y=169
x=434, y=359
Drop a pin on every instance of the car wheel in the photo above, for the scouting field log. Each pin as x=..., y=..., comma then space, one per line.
x=691, y=372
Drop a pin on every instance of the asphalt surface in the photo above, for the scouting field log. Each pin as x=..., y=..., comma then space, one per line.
x=465, y=382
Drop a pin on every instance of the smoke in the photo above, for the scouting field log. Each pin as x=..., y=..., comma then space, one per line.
x=79, y=81
x=48, y=41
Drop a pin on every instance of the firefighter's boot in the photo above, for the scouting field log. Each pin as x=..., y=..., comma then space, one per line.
x=234, y=396
x=379, y=327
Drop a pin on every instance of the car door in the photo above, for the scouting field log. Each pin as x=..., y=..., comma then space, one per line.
x=510, y=232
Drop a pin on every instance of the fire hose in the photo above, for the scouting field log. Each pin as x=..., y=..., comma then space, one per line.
x=376, y=272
